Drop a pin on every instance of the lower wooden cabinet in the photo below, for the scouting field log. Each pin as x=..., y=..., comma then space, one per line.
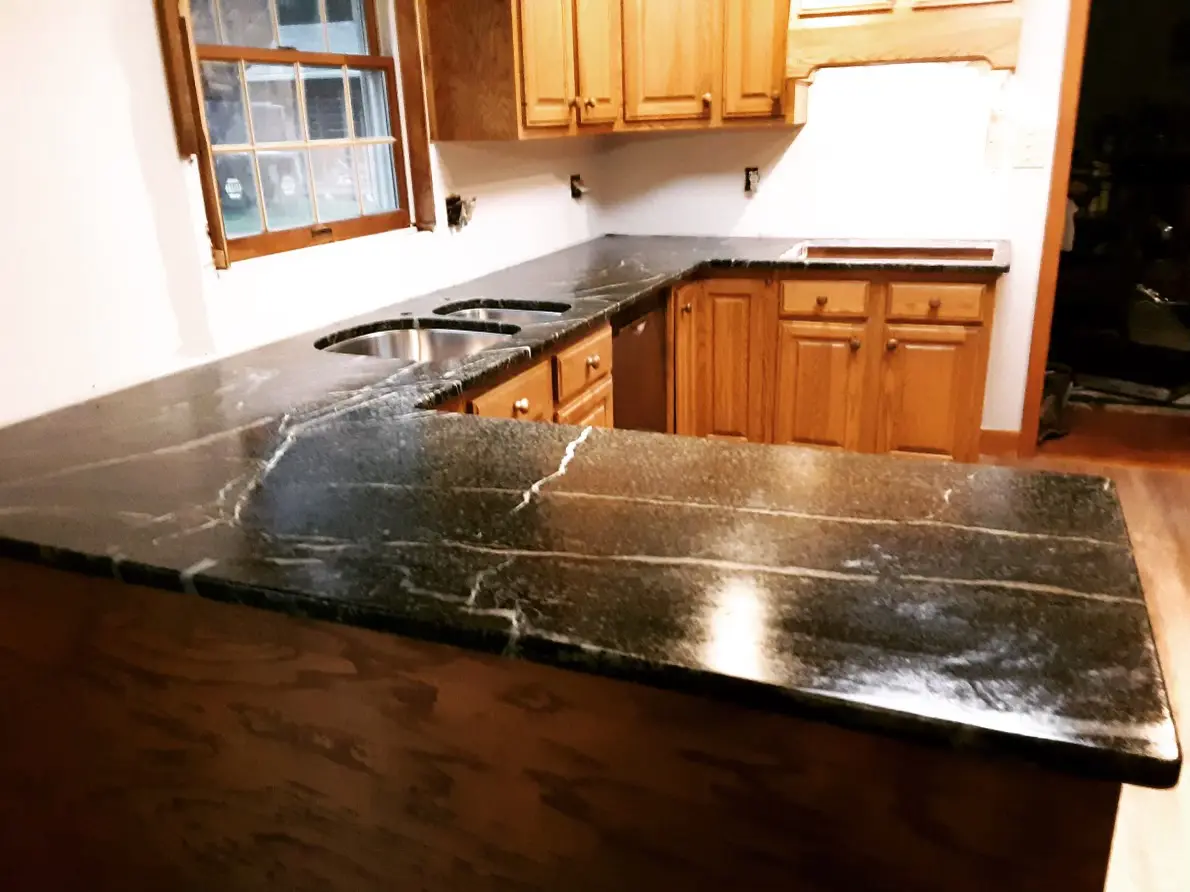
x=931, y=390
x=527, y=397
x=820, y=383
x=594, y=409
x=823, y=361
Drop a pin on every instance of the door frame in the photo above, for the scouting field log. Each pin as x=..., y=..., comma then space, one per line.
x=1055, y=223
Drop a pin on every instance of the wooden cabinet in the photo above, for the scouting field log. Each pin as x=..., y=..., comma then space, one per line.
x=594, y=409
x=524, y=69
x=754, y=33
x=668, y=58
x=527, y=397
x=820, y=383
x=547, y=61
x=931, y=394
x=598, y=66
x=723, y=348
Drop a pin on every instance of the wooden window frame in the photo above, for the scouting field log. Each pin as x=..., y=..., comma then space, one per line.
x=183, y=58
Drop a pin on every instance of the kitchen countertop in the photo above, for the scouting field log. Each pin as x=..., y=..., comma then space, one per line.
x=981, y=608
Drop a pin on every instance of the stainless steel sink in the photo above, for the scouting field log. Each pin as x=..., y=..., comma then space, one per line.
x=507, y=311
x=417, y=344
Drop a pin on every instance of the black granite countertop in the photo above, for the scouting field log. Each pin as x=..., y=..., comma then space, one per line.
x=976, y=607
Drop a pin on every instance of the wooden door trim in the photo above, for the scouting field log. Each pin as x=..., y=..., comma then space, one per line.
x=1055, y=223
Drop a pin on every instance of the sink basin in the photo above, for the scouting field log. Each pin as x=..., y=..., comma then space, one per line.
x=413, y=343
x=520, y=313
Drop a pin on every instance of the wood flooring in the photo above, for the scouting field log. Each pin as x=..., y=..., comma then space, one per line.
x=1123, y=436
x=1152, y=838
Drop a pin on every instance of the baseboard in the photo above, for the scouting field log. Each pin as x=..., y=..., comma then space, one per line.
x=999, y=443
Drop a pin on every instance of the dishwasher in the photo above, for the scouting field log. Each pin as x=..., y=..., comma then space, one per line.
x=641, y=360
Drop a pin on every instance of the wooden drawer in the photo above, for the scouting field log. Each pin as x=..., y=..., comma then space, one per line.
x=527, y=397
x=951, y=302
x=806, y=297
x=577, y=368
x=593, y=408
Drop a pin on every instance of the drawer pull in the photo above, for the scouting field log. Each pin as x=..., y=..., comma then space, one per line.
x=521, y=405
x=822, y=300
x=855, y=344
x=593, y=361
x=892, y=344
x=935, y=303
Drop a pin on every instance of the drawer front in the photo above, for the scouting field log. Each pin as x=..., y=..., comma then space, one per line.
x=527, y=397
x=587, y=362
x=936, y=302
x=593, y=408
x=805, y=297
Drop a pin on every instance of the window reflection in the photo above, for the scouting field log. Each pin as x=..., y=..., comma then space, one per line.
x=736, y=631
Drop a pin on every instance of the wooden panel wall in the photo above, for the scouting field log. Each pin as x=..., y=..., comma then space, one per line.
x=161, y=741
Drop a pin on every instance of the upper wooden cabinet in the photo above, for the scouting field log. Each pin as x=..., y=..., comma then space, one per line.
x=668, y=62
x=754, y=33
x=522, y=69
x=547, y=62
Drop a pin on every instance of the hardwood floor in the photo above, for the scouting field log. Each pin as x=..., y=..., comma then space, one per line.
x=1124, y=436
x=1153, y=826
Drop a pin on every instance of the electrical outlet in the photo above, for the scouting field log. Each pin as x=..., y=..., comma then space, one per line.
x=751, y=180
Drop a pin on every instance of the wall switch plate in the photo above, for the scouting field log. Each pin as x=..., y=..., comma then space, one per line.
x=751, y=180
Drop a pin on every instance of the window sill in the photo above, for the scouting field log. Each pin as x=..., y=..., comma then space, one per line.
x=295, y=239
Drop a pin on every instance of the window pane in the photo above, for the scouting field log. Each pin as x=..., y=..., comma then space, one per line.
x=286, y=192
x=345, y=26
x=236, y=177
x=247, y=23
x=334, y=184
x=300, y=25
x=369, y=102
x=376, y=178
x=202, y=13
x=326, y=103
x=224, y=99
x=272, y=92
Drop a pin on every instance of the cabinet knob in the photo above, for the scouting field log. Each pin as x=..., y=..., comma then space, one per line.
x=573, y=103
x=935, y=303
x=593, y=361
x=822, y=300
x=892, y=344
x=590, y=102
x=855, y=344
x=521, y=405
x=706, y=98
x=687, y=308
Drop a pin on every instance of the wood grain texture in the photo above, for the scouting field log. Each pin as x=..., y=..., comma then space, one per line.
x=998, y=443
x=936, y=302
x=820, y=384
x=579, y=366
x=547, y=62
x=685, y=298
x=754, y=34
x=813, y=298
x=599, y=61
x=1122, y=436
x=175, y=58
x=1055, y=222
x=669, y=54
x=472, y=52
x=990, y=33
x=417, y=125
x=595, y=408
x=529, y=396
x=158, y=741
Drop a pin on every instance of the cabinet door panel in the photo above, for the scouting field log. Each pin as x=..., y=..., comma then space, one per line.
x=820, y=384
x=754, y=34
x=595, y=408
x=667, y=58
x=547, y=61
x=599, y=57
x=929, y=400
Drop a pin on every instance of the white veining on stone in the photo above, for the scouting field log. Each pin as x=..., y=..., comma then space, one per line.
x=567, y=458
x=1037, y=587
x=193, y=570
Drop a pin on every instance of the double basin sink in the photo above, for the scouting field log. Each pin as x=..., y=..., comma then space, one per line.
x=465, y=329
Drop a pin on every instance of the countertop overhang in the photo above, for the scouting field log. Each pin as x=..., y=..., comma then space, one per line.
x=981, y=608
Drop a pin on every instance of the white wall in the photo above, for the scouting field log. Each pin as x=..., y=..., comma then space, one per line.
x=102, y=252
x=889, y=151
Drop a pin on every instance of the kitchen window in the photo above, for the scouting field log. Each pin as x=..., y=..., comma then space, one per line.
x=292, y=110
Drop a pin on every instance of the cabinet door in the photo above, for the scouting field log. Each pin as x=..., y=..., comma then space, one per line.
x=600, y=91
x=820, y=384
x=547, y=62
x=723, y=391
x=754, y=57
x=931, y=397
x=668, y=58
x=596, y=408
